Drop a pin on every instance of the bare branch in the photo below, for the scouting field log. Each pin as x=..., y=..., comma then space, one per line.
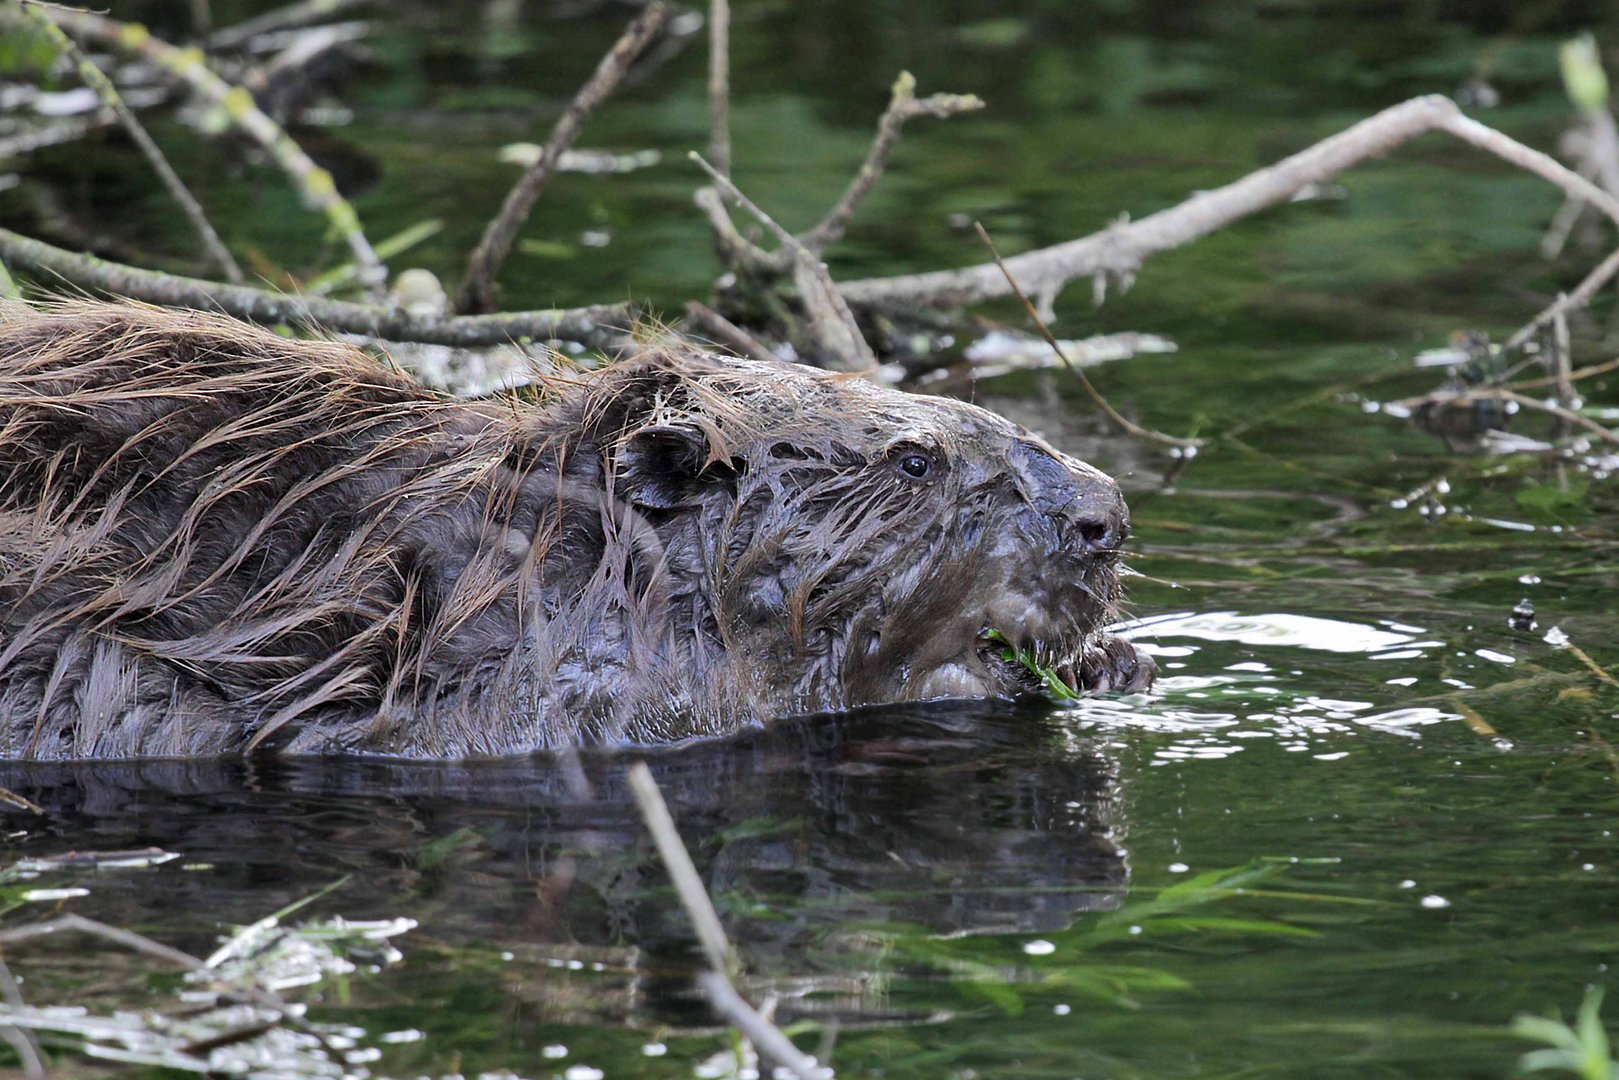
x=596, y=326
x=477, y=291
x=735, y=249
x=688, y=886
x=902, y=106
x=830, y=320
x=316, y=185
x=719, y=85
x=95, y=79
x=1598, y=277
x=725, y=332
x=1121, y=249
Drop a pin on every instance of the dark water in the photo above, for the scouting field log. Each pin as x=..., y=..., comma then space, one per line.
x=1362, y=824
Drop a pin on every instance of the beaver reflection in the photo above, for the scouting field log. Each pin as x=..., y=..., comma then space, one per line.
x=956, y=818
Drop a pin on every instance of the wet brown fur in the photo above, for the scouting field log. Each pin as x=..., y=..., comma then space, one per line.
x=214, y=539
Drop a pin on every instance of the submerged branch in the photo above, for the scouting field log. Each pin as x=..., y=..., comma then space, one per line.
x=688, y=885
x=600, y=326
x=766, y=1038
x=478, y=290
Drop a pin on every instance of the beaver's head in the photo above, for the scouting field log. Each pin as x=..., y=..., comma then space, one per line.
x=834, y=543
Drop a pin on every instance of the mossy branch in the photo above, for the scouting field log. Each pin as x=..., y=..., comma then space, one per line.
x=93, y=77
x=603, y=326
x=316, y=185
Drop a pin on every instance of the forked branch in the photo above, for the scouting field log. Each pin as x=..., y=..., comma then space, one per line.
x=1118, y=251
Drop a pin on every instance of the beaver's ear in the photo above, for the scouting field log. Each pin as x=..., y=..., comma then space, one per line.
x=661, y=465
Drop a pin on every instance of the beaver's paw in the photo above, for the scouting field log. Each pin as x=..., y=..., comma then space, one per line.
x=1113, y=665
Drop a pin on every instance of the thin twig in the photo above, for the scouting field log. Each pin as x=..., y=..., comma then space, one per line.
x=902, y=106
x=316, y=184
x=719, y=85
x=595, y=326
x=21, y=1040
x=286, y=18
x=726, y=332
x=11, y=798
x=688, y=886
x=95, y=79
x=477, y=291
x=766, y=1038
x=1121, y=249
x=830, y=320
x=1549, y=380
x=1598, y=277
x=1101, y=402
x=79, y=924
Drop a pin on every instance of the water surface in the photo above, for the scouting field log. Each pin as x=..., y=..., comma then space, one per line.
x=1363, y=821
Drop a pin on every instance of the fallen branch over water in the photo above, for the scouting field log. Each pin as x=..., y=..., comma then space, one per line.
x=316, y=185
x=1119, y=251
x=603, y=326
x=477, y=292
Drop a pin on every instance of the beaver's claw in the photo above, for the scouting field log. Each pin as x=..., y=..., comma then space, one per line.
x=1114, y=665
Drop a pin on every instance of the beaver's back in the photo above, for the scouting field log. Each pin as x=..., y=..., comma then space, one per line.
x=200, y=528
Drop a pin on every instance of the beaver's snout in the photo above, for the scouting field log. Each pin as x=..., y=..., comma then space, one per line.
x=1082, y=506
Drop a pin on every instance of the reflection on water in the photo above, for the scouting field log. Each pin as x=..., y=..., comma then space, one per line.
x=1299, y=631
x=1213, y=704
x=965, y=819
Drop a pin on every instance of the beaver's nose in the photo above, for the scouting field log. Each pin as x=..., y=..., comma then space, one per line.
x=1083, y=503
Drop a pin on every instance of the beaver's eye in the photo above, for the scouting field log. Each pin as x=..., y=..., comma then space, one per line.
x=915, y=464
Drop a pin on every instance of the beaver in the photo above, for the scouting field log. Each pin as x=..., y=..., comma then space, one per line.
x=215, y=540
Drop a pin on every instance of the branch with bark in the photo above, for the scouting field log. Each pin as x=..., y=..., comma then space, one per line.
x=478, y=290
x=1119, y=251
x=94, y=78
x=314, y=183
x=602, y=326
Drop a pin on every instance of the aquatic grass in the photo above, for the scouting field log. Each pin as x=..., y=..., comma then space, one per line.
x=1582, y=1048
x=1049, y=679
x=977, y=965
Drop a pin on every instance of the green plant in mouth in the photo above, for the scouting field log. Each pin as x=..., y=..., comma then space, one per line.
x=1049, y=679
x=1582, y=1049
